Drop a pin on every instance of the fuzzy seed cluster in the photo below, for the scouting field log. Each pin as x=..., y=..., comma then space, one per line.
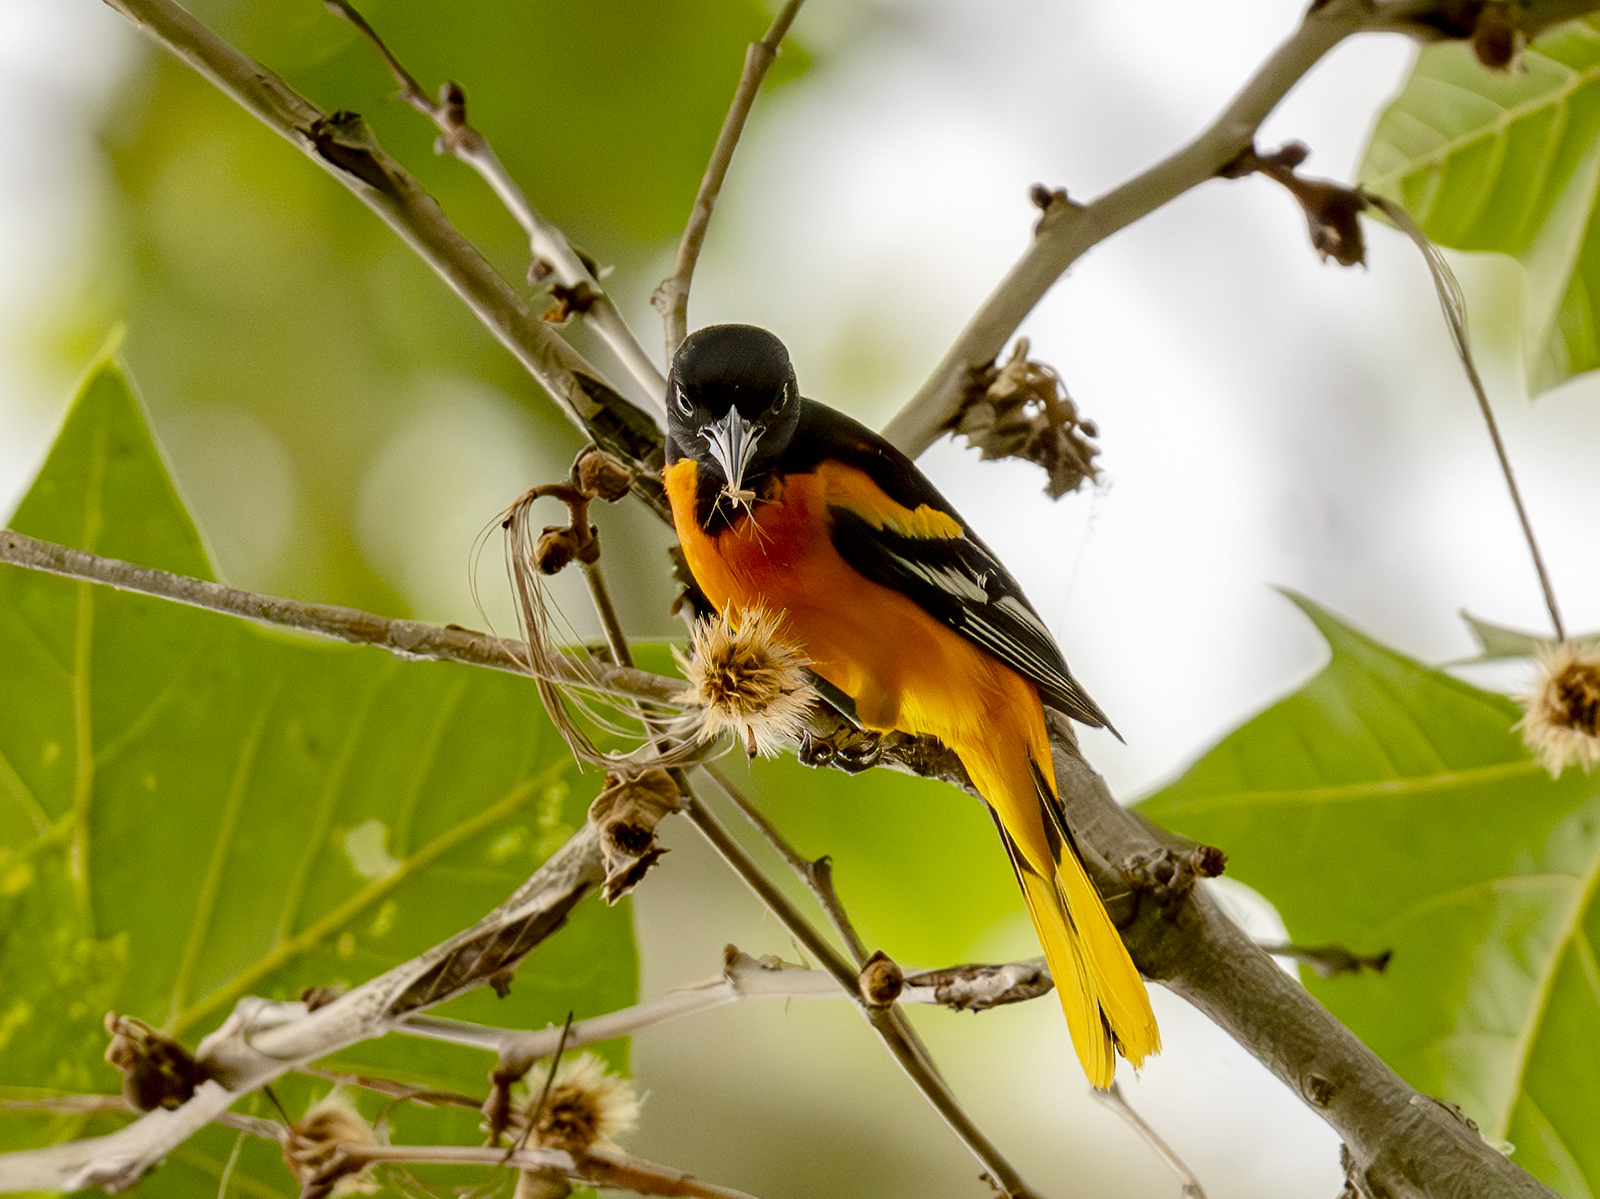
x=745, y=677
x=1562, y=725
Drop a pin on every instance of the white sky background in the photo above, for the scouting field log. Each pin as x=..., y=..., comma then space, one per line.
x=1266, y=421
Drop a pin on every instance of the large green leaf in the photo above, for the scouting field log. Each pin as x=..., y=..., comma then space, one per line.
x=1511, y=163
x=1387, y=806
x=193, y=808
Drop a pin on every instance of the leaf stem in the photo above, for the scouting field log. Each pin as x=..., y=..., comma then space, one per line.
x=1453, y=305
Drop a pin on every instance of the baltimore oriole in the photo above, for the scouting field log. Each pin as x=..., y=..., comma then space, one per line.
x=783, y=504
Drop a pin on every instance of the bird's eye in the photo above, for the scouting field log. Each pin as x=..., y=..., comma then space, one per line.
x=685, y=408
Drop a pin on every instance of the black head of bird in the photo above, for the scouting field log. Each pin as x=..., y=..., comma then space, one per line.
x=732, y=403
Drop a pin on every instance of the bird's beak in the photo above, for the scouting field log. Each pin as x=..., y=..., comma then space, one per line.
x=732, y=441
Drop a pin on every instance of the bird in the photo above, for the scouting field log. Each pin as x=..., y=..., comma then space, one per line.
x=784, y=505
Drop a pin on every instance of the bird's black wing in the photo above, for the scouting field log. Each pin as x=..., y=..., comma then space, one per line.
x=941, y=565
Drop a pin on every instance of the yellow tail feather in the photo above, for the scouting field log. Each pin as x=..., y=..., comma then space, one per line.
x=1103, y=997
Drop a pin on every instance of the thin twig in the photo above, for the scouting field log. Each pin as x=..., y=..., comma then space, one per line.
x=672, y=297
x=817, y=875
x=1454, y=307
x=404, y=638
x=227, y=1169
x=601, y=1167
x=344, y=146
x=969, y=988
x=1112, y=1098
x=882, y=1019
x=552, y=253
x=1069, y=229
x=392, y=1088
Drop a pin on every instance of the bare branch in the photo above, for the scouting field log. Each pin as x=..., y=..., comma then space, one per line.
x=597, y=1167
x=1068, y=229
x=964, y=988
x=343, y=146
x=1113, y=1099
x=553, y=255
x=672, y=297
x=404, y=638
x=887, y=1021
x=817, y=875
x=1401, y=1143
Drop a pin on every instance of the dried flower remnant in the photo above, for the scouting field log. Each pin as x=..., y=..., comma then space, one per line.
x=156, y=1070
x=313, y=1147
x=744, y=677
x=626, y=812
x=1021, y=410
x=585, y=1106
x=1562, y=725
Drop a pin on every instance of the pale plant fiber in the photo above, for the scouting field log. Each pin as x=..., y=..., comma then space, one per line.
x=745, y=678
x=1562, y=725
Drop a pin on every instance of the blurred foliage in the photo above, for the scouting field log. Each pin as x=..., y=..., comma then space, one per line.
x=288, y=338
x=198, y=809
x=1510, y=162
x=916, y=862
x=1497, y=641
x=1389, y=807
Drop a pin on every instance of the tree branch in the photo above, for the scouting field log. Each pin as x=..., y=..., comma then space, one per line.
x=597, y=1167
x=262, y=1040
x=1068, y=229
x=672, y=297
x=965, y=988
x=552, y=252
x=403, y=638
x=342, y=145
x=1401, y=1143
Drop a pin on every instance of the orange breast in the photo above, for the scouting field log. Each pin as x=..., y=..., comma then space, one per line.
x=903, y=668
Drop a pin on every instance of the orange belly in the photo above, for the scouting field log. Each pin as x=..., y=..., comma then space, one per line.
x=904, y=669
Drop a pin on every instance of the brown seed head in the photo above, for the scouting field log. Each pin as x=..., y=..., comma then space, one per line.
x=601, y=475
x=156, y=1070
x=881, y=980
x=312, y=1147
x=1562, y=724
x=746, y=678
x=586, y=1106
x=556, y=548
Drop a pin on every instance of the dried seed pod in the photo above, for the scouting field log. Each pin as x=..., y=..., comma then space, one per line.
x=1562, y=725
x=626, y=813
x=881, y=981
x=1019, y=409
x=586, y=1106
x=744, y=677
x=600, y=475
x=557, y=547
x=312, y=1148
x=156, y=1070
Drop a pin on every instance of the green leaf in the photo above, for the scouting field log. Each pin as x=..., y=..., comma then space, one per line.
x=1387, y=806
x=1511, y=163
x=193, y=808
x=1500, y=641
